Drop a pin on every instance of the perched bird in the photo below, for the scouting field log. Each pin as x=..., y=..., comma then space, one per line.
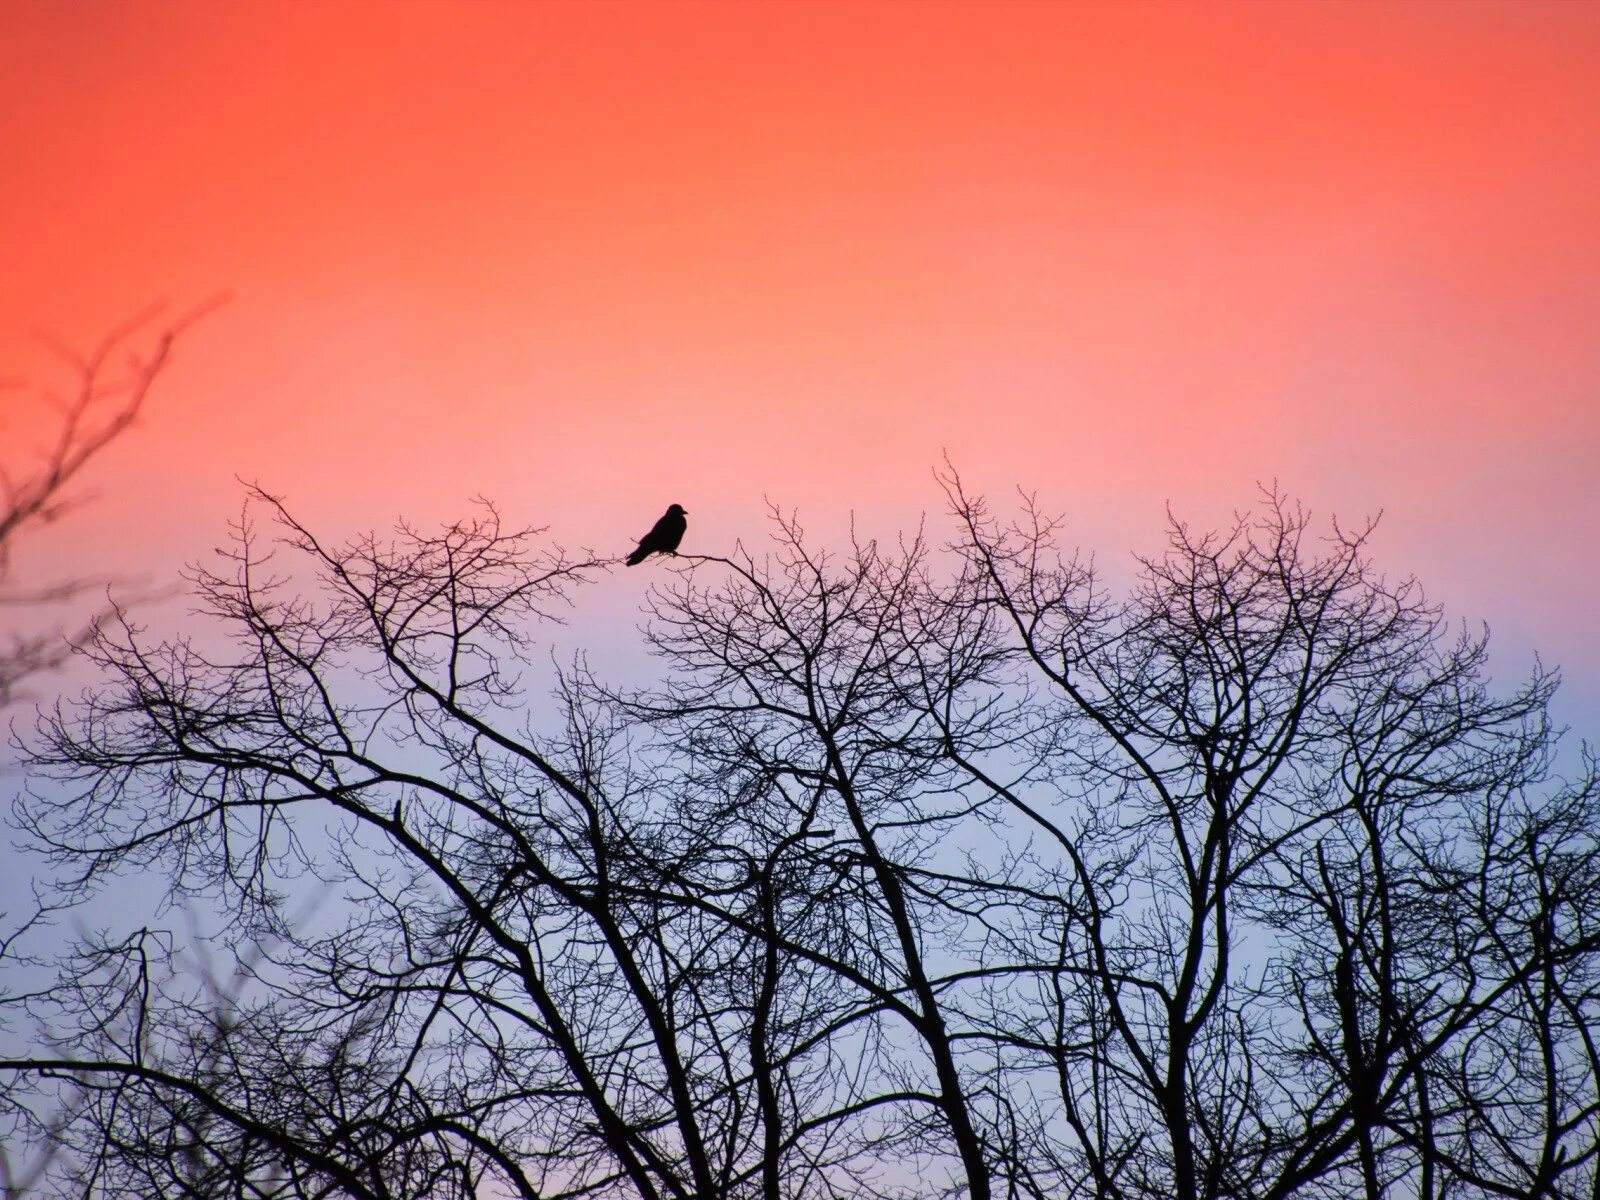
x=664, y=536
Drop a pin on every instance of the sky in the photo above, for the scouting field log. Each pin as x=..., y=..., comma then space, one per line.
x=588, y=260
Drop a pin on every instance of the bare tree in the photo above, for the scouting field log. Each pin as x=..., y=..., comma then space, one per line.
x=918, y=872
x=108, y=391
x=1315, y=857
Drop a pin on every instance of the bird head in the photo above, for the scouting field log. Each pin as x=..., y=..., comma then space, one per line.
x=677, y=508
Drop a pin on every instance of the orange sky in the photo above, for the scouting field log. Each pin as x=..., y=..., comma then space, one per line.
x=590, y=259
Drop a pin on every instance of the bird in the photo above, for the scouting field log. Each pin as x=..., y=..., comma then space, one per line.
x=664, y=536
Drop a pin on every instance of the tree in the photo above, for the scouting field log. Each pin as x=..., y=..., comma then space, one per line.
x=917, y=872
x=106, y=398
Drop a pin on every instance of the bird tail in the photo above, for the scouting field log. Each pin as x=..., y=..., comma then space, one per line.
x=637, y=557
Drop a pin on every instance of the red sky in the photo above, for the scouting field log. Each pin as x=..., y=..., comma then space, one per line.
x=591, y=259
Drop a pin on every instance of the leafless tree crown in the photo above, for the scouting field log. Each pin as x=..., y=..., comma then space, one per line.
x=108, y=391
x=921, y=871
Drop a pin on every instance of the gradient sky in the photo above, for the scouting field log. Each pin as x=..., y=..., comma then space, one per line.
x=591, y=259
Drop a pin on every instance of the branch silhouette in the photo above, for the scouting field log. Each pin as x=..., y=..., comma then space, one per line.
x=919, y=871
x=103, y=405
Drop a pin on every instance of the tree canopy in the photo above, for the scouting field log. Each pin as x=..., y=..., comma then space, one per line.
x=920, y=869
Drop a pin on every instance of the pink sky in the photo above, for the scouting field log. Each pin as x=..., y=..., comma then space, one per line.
x=591, y=259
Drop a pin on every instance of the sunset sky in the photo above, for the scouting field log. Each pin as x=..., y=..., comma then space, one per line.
x=592, y=259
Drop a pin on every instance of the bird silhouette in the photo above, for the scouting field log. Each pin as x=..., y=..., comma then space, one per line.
x=664, y=536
